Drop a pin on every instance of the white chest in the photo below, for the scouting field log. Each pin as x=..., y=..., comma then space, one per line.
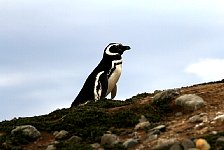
x=115, y=75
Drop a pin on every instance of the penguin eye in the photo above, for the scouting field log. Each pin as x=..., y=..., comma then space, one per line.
x=119, y=46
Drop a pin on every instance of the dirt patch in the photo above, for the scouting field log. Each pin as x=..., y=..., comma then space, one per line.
x=41, y=143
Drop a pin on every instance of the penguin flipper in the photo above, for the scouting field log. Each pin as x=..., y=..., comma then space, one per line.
x=103, y=83
x=114, y=92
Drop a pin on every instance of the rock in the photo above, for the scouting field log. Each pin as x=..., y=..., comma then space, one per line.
x=164, y=100
x=190, y=102
x=142, y=125
x=109, y=139
x=60, y=135
x=202, y=144
x=143, y=119
x=187, y=143
x=178, y=114
x=108, y=132
x=219, y=118
x=74, y=139
x=130, y=143
x=203, y=130
x=164, y=144
x=199, y=126
x=220, y=143
x=95, y=145
x=155, y=132
x=195, y=119
x=51, y=147
x=7, y=145
x=204, y=118
x=55, y=133
x=219, y=113
x=141, y=147
x=214, y=132
x=166, y=95
x=27, y=131
x=161, y=128
x=198, y=118
x=135, y=135
x=153, y=135
x=176, y=146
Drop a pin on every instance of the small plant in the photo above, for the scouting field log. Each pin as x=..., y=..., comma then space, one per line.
x=138, y=97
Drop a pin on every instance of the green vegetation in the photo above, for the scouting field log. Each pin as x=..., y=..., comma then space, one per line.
x=73, y=146
x=89, y=122
x=138, y=97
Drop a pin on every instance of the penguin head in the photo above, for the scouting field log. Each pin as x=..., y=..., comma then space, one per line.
x=116, y=49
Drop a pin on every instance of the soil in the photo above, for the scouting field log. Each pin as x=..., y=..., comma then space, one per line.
x=180, y=128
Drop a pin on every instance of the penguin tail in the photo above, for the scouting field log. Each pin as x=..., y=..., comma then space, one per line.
x=79, y=100
x=75, y=103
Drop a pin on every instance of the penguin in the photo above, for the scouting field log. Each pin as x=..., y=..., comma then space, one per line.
x=103, y=79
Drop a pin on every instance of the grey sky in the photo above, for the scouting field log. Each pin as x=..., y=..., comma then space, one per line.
x=49, y=47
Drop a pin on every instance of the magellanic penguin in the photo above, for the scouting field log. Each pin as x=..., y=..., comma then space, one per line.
x=104, y=77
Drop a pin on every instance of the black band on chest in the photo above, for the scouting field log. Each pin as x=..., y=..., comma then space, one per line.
x=114, y=68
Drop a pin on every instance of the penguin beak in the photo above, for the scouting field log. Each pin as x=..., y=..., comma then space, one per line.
x=124, y=48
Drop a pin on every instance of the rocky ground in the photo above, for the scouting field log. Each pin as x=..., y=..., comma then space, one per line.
x=177, y=119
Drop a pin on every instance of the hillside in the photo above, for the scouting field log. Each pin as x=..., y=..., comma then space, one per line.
x=145, y=121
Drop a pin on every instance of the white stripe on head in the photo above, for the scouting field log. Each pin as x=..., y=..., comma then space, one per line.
x=97, y=94
x=107, y=51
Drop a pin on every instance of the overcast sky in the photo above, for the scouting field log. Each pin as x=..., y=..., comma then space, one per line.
x=49, y=47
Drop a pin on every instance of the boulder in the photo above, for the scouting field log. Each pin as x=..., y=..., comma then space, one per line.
x=198, y=118
x=176, y=146
x=152, y=135
x=143, y=119
x=130, y=143
x=75, y=139
x=187, y=143
x=95, y=145
x=166, y=95
x=190, y=102
x=165, y=100
x=220, y=143
x=142, y=125
x=110, y=139
x=164, y=144
x=26, y=131
x=51, y=147
x=60, y=135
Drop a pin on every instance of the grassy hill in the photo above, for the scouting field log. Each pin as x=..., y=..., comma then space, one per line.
x=91, y=121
